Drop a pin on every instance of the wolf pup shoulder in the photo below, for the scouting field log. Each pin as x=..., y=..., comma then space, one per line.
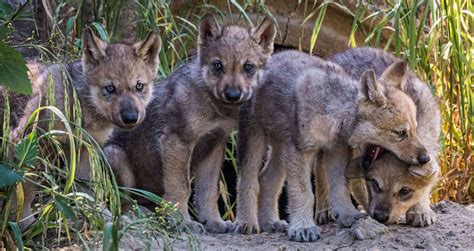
x=190, y=119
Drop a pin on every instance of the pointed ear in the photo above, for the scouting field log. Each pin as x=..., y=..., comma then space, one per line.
x=94, y=49
x=209, y=29
x=149, y=49
x=354, y=170
x=371, y=89
x=394, y=75
x=265, y=34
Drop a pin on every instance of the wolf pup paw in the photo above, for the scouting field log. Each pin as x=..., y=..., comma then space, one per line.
x=367, y=228
x=323, y=217
x=308, y=234
x=246, y=228
x=218, y=226
x=196, y=227
x=420, y=217
x=279, y=226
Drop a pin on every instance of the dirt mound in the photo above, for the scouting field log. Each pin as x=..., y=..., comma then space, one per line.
x=453, y=229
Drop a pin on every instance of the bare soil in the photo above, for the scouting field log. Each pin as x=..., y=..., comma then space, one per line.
x=454, y=229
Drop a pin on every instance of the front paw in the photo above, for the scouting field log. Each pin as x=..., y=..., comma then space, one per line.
x=278, y=226
x=246, y=228
x=367, y=228
x=218, y=226
x=304, y=234
x=323, y=216
x=420, y=217
x=196, y=227
x=349, y=219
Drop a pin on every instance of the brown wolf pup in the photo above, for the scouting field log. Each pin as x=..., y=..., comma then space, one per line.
x=190, y=119
x=395, y=189
x=306, y=105
x=113, y=83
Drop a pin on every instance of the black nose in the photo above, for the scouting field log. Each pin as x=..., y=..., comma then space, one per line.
x=381, y=216
x=129, y=118
x=232, y=94
x=423, y=158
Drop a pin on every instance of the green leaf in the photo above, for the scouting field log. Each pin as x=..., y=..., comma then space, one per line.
x=8, y=176
x=101, y=31
x=13, y=70
x=61, y=205
x=17, y=235
x=27, y=151
x=4, y=31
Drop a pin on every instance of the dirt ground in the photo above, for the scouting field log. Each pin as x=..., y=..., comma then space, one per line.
x=454, y=229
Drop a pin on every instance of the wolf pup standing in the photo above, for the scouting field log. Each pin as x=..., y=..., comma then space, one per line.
x=324, y=109
x=191, y=118
x=395, y=189
x=113, y=84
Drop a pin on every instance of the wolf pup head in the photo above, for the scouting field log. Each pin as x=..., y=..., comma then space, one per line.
x=393, y=188
x=120, y=77
x=387, y=116
x=232, y=58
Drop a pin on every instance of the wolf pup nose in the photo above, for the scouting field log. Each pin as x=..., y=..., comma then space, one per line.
x=381, y=216
x=129, y=117
x=423, y=158
x=232, y=94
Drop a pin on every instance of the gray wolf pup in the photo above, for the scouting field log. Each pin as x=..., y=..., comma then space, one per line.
x=113, y=83
x=190, y=120
x=307, y=105
x=394, y=188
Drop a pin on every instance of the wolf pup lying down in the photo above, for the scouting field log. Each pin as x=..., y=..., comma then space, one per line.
x=113, y=83
x=306, y=105
x=394, y=188
x=190, y=120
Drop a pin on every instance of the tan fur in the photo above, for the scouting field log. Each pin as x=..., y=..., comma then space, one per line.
x=389, y=172
x=103, y=64
x=308, y=106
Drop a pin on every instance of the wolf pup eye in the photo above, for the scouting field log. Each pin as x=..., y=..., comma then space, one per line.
x=405, y=193
x=375, y=185
x=402, y=134
x=110, y=89
x=249, y=69
x=218, y=67
x=139, y=86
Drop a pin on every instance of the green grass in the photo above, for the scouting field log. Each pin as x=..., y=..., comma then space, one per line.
x=434, y=37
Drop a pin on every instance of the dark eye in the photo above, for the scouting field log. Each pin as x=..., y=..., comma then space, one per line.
x=139, y=86
x=375, y=185
x=405, y=192
x=110, y=88
x=249, y=69
x=218, y=67
x=402, y=134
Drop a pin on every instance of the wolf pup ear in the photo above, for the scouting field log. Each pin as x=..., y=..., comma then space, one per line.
x=209, y=29
x=149, y=49
x=371, y=89
x=94, y=49
x=394, y=75
x=265, y=34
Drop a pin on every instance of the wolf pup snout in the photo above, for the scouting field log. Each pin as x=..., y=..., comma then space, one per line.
x=381, y=215
x=232, y=94
x=423, y=157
